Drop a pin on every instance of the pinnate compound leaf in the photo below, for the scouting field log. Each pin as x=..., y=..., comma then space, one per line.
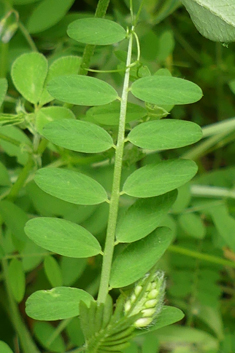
x=143, y=217
x=96, y=31
x=168, y=316
x=56, y=304
x=17, y=279
x=166, y=90
x=3, y=89
x=70, y=186
x=62, y=237
x=66, y=65
x=214, y=19
x=165, y=134
x=28, y=74
x=126, y=269
x=159, y=178
x=47, y=14
x=49, y=114
x=81, y=90
x=4, y=348
x=77, y=135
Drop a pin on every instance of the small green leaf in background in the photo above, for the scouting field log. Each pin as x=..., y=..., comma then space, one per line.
x=28, y=73
x=17, y=279
x=81, y=90
x=164, y=90
x=47, y=14
x=56, y=304
x=193, y=225
x=53, y=271
x=66, y=65
x=96, y=31
x=4, y=348
x=169, y=315
x=3, y=89
x=165, y=134
x=157, y=179
x=214, y=19
x=49, y=114
x=70, y=186
x=15, y=218
x=109, y=114
x=143, y=217
x=77, y=135
x=43, y=332
x=4, y=176
x=62, y=237
x=139, y=257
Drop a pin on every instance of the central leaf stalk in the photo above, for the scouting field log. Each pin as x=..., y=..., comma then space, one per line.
x=115, y=195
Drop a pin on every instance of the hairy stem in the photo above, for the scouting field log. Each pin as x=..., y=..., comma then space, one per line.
x=115, y=195
x=89, y=49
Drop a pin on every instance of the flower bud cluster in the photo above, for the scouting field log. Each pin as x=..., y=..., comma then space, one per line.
x=146, y=299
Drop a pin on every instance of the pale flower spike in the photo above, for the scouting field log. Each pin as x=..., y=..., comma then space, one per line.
x=149, y=303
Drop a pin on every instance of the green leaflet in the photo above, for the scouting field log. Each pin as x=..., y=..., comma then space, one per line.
x=4, y=348
x=56, y=304
x=193, y=225
x=166, y=90
x=70, y=186
x=165, y=134
x=214, y=19
x=17, y=279
x=143, y=217
x=62, y=237
x=81, y=90
x=96, y=31
x=125, y=268
x=77, y=135
x=53, y=271
x=47, y=14
x=3, y=89
x=28, y=74
x=159, y=178
x=43, y=332
x=15, y=224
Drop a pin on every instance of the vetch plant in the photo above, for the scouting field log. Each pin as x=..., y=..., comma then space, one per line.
x=128, y=298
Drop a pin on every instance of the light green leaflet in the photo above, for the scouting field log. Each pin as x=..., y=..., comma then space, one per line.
x=4, y=348
x=165, y=134
x=166, y=90
x=56, y=304
x=53, y=271
x=16, y=279
x=143, y=217
x=214, y=19
x=49, y=114
x=62, y=237
x=77, y=135
x=3, y=89
x=81, y=90
x=96, y=31
x=70, y=186
x=47, y=14
x=192, y=225
x=28, y=74
x=139, y=257
x=159, y=178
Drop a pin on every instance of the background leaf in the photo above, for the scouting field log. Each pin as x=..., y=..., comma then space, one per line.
x=53, y=271
x=28, y=74
x=214, y=19
x=17, y=279
x=70, y=186
x=49, y=114
x=63, y=237
x=157, y=179
x=4, y=348
x=43, y=332
x=96, y=31
x=125, y=268
x=165, y=134
x=56, y=304
x=81, y=90
x=77, y=135
x=164, y=90
x=47, y=14
x=143, y=217
x=3, y=89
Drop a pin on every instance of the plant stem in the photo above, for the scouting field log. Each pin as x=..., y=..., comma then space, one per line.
x=27, y=344
x=198, y=255
x=89, y=49
x=27, y=37
x=115, y=195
